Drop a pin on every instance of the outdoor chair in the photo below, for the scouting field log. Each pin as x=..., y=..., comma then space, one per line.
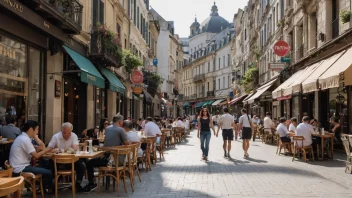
x=301, y=148
x=346, y=144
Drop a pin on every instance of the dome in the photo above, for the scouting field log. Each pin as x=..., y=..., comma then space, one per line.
x=214, y=23
x=195, y=23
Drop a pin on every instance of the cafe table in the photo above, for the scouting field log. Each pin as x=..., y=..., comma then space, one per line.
x=329, y=137
x=6, y=142
x=81, y=154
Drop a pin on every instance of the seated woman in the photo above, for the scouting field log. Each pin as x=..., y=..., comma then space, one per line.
x=131, y=135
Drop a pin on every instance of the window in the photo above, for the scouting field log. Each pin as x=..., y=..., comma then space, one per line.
x=101, y=12
x=208, y=86
x=208, y=66
x=118, y=30
x=223, y=82
x=245, y=34
x=228, y=60
x=137, y=25
x=282, y=5
x=223, y=61
x=214, y=64
x=219, y=63
x=228, y=80
x=219, y=84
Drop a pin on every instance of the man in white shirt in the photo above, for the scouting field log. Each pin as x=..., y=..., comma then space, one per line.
x=227, y=124
x=65, y=140
x=268, y=123
x=179, y=123
x=22, y=150
x=187, y=126
x=151, y=129
x=247, y=130
x=281, y=129
x=306, y=130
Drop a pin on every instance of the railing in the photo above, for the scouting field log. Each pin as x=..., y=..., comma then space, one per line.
x=335, y=28
x=199, y=77
x=102, y=54
x=193, y=96
x=180, y=97
x=210, y=94
x=201, y=95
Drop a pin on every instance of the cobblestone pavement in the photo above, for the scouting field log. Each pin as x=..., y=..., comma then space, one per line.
x=265, y=174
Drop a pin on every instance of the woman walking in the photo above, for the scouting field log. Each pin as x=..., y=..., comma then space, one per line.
x=204, y=124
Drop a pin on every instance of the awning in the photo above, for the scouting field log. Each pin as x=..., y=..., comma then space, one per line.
x=195, y=104
x=232, y=102
x=311, y=83
x=331, y=77
x=223, y=103
x=147, y=96
x=199, y=104
x=260, y=91
x=278, y=91
x=209, y=102
x=89, y=74
x=217, y=102
x=186, y=104
x=114, y=83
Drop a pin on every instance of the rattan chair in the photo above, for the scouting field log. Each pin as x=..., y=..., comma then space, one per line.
x=302, y=148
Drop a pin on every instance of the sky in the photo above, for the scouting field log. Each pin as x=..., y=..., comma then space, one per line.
x=182, y=12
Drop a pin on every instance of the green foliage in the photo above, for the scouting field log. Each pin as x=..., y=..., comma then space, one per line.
x=250, y=79
x=111, y=43
x=131, y=61
x=345, y=16
x=152, y=79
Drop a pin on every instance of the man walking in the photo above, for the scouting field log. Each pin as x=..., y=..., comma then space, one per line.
x=227, y=124
x=247, y=129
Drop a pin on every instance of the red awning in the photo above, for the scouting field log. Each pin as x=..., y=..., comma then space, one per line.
x=284, y=98
x=236, y=100
x=194, y=105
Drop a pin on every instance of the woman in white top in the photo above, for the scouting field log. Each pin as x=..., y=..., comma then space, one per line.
x=132, y=136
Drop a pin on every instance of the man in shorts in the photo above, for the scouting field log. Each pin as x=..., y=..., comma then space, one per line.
x=247, y=130
x=227, y=124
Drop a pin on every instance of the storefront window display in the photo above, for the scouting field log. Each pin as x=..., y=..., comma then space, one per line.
x=338, y=105
x=20, y=71
x=295, y=108
x=100, y=108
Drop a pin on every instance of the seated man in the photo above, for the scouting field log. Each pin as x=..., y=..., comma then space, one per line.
x=114, y=136
x=151, y=130
x=10, y=130
x=65, y=140
x=22, y=150
x=179, y=123
x=306, y=130
x=282, y=130
x=131, y=136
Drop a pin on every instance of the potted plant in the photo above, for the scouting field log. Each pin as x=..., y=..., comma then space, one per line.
x=345, y=16
x=131, y=61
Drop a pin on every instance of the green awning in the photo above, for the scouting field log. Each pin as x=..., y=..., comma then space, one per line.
x=200, y=104
x=186, y=104
x=89, y=74
x=209, y=102
x=114, y=83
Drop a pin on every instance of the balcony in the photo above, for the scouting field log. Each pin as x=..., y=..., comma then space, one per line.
x=198, y=77
x=65, y=14
x=193, y=96
x=210, y=94
x=102, y=53
x=180, y=97
x=201, y=95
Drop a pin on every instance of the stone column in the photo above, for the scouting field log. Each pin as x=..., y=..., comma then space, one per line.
x=54, y=113
x=316, y=105
x=111, y=105
x=90, y=106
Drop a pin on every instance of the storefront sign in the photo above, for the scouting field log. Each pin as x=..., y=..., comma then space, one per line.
x=57, y=88
x=91, y=78
x=281, y=48
x=285, y=59
x=136, y=77
x=137, y=88
x=155, y=62
x=276, y=66
x=150, y=68
x=16, y=6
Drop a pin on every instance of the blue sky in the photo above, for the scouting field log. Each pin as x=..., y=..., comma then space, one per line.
x=184, y=11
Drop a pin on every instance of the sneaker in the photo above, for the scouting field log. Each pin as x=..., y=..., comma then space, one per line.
x=228, y=155
x=90, y=187
x=225, y=154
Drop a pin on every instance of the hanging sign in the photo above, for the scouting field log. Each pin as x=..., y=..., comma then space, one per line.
x=281, y=48
x=136, y=77
x=137, y=89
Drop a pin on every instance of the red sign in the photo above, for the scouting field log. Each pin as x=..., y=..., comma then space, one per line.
x=136, y=77
x=281, y=48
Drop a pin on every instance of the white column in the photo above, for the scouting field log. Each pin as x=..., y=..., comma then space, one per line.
x=90, y=107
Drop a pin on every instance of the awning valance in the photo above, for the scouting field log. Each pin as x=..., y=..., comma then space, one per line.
x=260, y=91
x=278, y=91
x=89, y=73
x=217, y=102
x=186, y=104
x=114, y=83
x=209, y=102
x=331, y=77
x=311, y=83
x=147, y=96
x=199, y=104
x=234, y=101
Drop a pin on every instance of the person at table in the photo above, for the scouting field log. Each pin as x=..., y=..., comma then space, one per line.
x=67, y=140
x=306, y=130
x=10, y=130
x=151, y=129
x=315, y=124
x=84, y=134
x=131, y=135
x=169, y=124
x=282, y=131
x=115, y=135
x=179, y=123
x=187, y=126
x=293, y=125
x=268, y=123
x=22, y=150
x=336, y=128
x=104, y=123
